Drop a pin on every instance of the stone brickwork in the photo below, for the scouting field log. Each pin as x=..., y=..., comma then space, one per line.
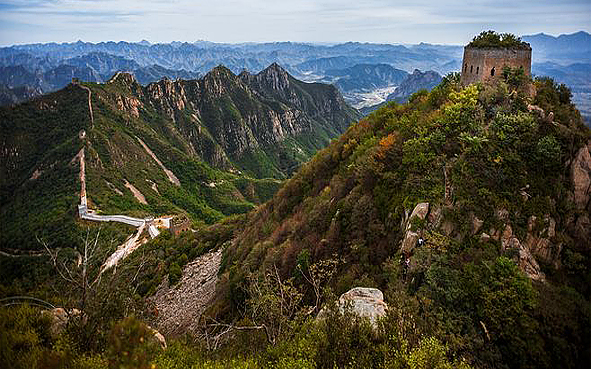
x=179, y=224
x=482, y=64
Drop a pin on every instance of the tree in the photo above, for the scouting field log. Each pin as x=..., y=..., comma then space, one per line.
x=77, y=274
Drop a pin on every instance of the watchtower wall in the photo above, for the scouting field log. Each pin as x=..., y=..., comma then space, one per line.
x=482, y=64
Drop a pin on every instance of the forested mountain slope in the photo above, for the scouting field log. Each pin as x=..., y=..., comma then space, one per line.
x=221, y=136
x=497, y=184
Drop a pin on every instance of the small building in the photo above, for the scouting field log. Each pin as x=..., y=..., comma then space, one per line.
x=179, y=224
x=488, y=53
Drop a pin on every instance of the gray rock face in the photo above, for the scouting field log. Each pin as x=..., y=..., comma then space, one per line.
x=525, y=259
x=581, y=181
x=180, y=306
x=365, y=302
x=410, y=238
x=581, y=176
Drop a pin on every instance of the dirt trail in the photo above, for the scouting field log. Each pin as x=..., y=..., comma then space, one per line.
x=180, y=307
x=171, y=177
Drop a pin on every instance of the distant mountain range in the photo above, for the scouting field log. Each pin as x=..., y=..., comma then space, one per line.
x=355, y=68
x=564, y=49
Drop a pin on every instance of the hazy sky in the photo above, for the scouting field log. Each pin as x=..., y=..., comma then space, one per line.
x=404, y=21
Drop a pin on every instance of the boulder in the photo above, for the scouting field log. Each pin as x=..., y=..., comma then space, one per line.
x=365, y=302
x=58, y=320
x=420, y=210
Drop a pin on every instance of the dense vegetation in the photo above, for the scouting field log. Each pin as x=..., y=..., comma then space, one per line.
x=339, y=222
x=485, y=147
x=499, y=40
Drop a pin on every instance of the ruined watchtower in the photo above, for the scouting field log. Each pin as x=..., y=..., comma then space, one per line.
x=488, y=53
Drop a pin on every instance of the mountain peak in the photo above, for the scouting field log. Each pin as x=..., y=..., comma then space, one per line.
x=274, y=67
x=126, y=78
x=220, y=71
x=274, y=76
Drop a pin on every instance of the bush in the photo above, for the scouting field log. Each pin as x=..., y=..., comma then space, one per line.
x=131, y=345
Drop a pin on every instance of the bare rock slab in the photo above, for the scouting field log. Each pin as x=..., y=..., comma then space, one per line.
x=365, y=302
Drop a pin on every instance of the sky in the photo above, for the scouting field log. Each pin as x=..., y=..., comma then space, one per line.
x=233, y=21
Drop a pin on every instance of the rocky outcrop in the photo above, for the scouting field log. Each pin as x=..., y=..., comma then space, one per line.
x=364, y=302
x=411, y=236
x=59, y=319
x=130, y=105
x=581, y=177
x=525, y=260
x=580, y=172
x=540, y=233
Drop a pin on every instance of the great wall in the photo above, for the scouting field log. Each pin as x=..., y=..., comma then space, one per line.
x=135, y=240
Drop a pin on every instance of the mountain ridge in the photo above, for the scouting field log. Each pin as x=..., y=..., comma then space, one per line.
x=220, y=136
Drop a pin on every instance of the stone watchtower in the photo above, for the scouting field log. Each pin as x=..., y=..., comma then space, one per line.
x=487, y=55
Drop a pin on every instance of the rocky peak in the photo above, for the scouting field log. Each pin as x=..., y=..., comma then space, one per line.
x=216, y=82
x=274, y=76
x=220, y=72
x=126, y=78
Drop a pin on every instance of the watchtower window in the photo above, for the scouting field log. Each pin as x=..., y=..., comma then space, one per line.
x=465, y=67
x=492, y=71
x=477, y=68
x=471, y=68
